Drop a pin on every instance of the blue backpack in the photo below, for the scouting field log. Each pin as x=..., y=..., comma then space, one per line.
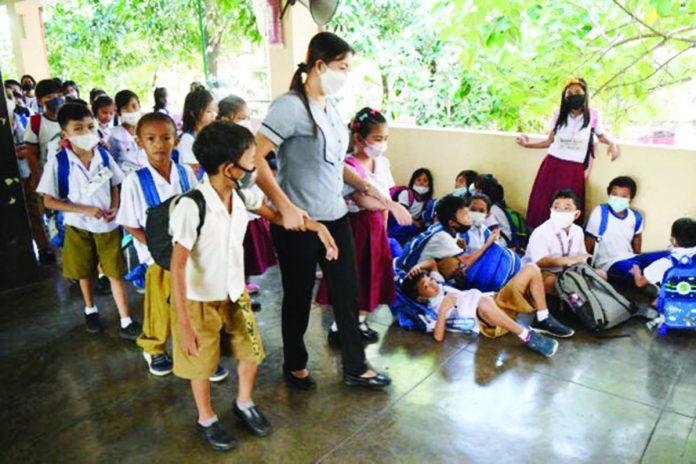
x=604, y=221
x=414, y=248
x=677, y=300
x=55, y=223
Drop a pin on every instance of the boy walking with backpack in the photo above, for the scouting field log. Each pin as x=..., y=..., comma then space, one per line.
x=82, y=181
x=146, y=188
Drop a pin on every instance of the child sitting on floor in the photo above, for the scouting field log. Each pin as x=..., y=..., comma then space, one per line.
x=614, y=233
x=491, y=315
x=464, y=183
x=479, y=210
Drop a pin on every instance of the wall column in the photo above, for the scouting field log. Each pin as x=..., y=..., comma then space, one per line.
x=28, y=38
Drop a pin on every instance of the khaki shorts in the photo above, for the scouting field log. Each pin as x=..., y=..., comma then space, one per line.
x=512, y=302
x=240, y=336
x=84, y=250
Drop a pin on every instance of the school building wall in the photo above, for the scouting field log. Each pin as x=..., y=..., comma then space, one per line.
x=666, y=176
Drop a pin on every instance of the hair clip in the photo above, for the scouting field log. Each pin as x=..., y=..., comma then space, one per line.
x=362, y=117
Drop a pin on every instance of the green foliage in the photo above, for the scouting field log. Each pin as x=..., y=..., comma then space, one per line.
x=501, y=64
x=127, y=43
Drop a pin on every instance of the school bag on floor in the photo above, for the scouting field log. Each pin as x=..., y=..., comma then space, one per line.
x=54, y=219
x=677, y=300
x=596, y=304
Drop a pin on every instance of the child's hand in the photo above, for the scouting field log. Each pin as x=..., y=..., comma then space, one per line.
x=495, y=234
x=401, y=214
x=635, y=271
x=189, y=340
x=21, y=150
x=415, y=270
x=613, y=151
x=328, y=241
x=109, y=214
x=580, y=259
x=522, y=140
x=93, y=211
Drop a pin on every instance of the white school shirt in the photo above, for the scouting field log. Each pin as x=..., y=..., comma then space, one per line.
x=477, y=238
x=571, y=140
x=615, y=243
x=549, y=241
x=79, y=177
x=133, y=207
x=441, y=245
x=415, y=208
x=655, y=271
x=215, y=269
x=124, y=148
x=465, y=307
x=381, y=177
x=49, y=129
x=503, y=223
x=18, y=139
x=185, y=148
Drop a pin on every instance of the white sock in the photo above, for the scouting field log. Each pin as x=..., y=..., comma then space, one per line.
x=208, y=422
x=542, y=314
x=334, y=327
x=91, y=310
x=524, y=336
x=245, y=405
x=362, y=319
x=125, y=322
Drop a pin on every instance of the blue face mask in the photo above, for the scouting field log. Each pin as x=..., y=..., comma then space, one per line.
x=54, y=105
x=461, y=192
x=618, y=204
x=436, y=301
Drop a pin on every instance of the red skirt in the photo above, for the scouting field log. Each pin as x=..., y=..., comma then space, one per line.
x=259, y=253
x=554, y=174
x=374, y=261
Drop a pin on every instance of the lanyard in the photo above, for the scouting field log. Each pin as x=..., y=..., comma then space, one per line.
x=564, y=252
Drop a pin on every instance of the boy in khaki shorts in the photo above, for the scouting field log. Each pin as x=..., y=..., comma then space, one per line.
x=81, y=180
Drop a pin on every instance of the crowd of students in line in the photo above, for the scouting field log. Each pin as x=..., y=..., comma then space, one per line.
x=103, y=164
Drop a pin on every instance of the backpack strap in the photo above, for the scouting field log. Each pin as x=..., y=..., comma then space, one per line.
x=183, y=178
x=175, y=156
x=355, y=164
x=147, y=184
x=35, y=123
x=604, y=221
x=639, y=221
x=63, y=173
x=197, y=196
x=104, y=155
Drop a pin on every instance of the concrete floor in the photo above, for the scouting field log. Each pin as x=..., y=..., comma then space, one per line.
x=68, y=396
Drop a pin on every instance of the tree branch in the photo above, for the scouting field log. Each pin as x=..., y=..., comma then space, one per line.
x=652, y=29
x=632, y=63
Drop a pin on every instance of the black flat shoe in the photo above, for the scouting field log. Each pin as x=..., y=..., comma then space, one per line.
x=367, y=334
x=253, y=420
x=216, y=437
x=255, y=306
x=377, y=382
x=93, y=323
x=304, y=383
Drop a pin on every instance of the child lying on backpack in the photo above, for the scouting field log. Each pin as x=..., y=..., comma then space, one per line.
x=492, y=315
x=683, y=240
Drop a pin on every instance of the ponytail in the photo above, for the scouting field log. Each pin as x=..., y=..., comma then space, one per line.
x=297, y=86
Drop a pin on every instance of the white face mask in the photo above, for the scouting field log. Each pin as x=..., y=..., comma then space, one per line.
x=130, y=118
x=420, y=189
x=436, y=301
x=332, y=81
x=85, y=142
x=618, y=204
x=376, y=150
x=477, y=217
x=562, y=219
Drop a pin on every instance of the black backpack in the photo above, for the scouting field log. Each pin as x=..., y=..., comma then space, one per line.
x=159, y=240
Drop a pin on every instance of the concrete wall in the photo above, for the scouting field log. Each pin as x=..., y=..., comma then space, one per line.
x=666, y=176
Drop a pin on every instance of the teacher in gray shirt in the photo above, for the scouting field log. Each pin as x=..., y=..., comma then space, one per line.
x=311, y=141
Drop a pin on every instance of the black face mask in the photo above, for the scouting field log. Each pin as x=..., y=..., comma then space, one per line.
x=27, y=86
x=461, y=228
x=575, y=102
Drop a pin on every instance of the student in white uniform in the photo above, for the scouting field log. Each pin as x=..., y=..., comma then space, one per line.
x=479, y=210
x=121, y=141
x=558, y=242
x=570, y=144
x=199, y=110
x=615, y=231
x=43, y=128
x=83, y=183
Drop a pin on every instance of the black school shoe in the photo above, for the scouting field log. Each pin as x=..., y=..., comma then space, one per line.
x=255, y=305
x=93, y=323
x=299, y=383
x=367, y=334
x=551, y=326
x=253, y=420
x=377, y=382
x=216, y=437
x=131, y=332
